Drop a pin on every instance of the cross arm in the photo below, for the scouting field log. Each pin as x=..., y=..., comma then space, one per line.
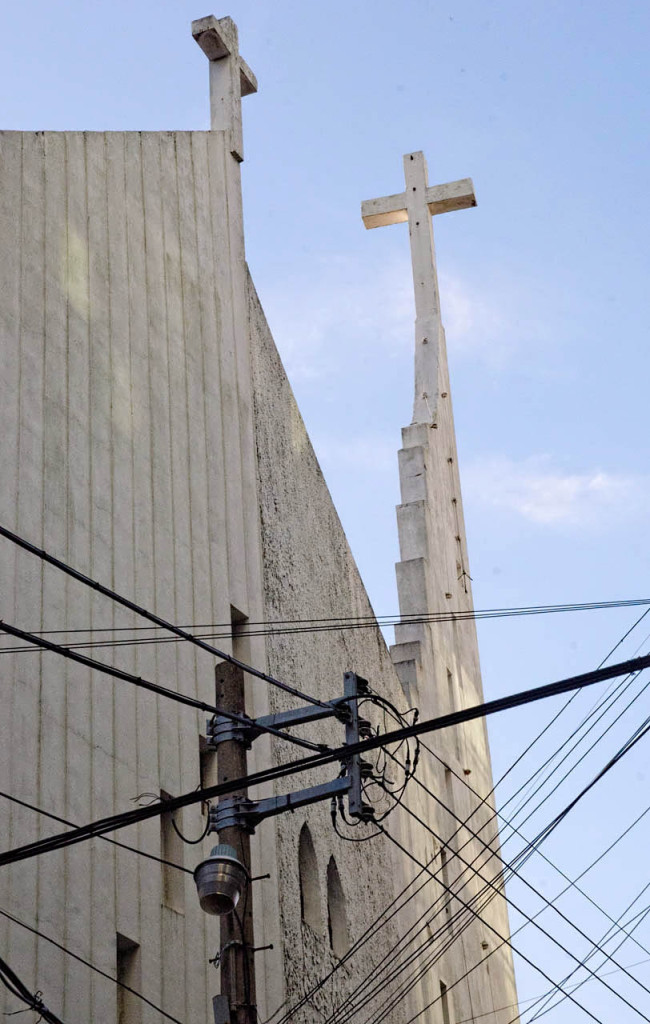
x=376, y=213
x=248, y=79
x=217, y=37
x=455, y=195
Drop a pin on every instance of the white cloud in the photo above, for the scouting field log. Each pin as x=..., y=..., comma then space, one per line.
x=371, y=307
x=343, y=304
x=547, y=496
x=478, y=322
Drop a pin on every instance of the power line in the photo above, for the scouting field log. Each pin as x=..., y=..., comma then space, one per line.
x=86, y=963
x=561, y=711
x=484, y=801
x=547, y=998
x=487, y=924
x=497, y=890
x=601, y=702
x=375, y=926
x=512, y=1006
x=126, y=603
x=447, y=924
x=640, y=732
x=596, y=707
x=516, y=831
x=606, y=704
x=114, y=842
x=513, y=871
x=162, y=691
x=316, y=625
x=317, y=760
x=585, y=753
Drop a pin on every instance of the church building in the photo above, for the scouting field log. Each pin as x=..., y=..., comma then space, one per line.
x=152, y=449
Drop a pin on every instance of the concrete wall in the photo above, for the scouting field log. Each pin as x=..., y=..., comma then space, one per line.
x=149, y=437
x=121, y=410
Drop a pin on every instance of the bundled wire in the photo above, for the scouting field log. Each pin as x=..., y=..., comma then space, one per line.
x=499, y=888
x=33, y=1001
x=107, y=839
x=483, y=801
x=503, y=939
x=546, y=1000
x=224, y=630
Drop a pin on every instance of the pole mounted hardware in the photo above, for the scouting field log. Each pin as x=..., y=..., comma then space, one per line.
x=242, y=813
x=219, y=728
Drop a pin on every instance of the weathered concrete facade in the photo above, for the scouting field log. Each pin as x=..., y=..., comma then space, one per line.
x=149, y=438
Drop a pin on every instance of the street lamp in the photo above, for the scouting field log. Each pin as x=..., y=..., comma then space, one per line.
x=220, y=880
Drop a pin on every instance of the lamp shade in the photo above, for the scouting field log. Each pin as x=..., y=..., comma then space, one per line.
x=220, y=880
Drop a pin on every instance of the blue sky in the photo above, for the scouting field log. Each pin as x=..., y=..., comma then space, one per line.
x=545, y=299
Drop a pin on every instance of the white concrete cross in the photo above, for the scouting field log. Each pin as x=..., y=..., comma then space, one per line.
x=414, y=205
x=230, y=77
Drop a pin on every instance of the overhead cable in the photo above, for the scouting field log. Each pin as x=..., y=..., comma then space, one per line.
x=114, y=842
x=516, y=873
x=139, y=610
x=498, y=889
x=487, y=924
x=452, y=923
x=145, y=684
x=639, y=733
x=33, y=1001
x=316, y=760
x=86, y=963
x=484, y=801
x=316, y=625
x=561, y=711
x=371, y=931
x=546, y=1001
x=515, y=830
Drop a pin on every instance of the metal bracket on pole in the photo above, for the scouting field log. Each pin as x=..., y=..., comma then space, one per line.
x=356, y=728
x=240, y=812
x=219, y=728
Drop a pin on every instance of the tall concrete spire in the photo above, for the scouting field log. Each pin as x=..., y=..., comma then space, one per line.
x=432, y=575
x=414, y=205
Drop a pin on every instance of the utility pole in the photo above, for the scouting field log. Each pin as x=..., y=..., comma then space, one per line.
x=222, y=876
x=237, y=939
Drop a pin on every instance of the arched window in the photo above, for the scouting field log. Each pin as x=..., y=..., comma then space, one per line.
x=337, y=922
x=310, y=911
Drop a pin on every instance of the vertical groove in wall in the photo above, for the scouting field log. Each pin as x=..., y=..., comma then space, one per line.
x=10, y=231
x=144, y=554
x=172, y=465
x=217, y=154
x=55, y=468
x=125, y=879
x=29, y=512
x=213, y=444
